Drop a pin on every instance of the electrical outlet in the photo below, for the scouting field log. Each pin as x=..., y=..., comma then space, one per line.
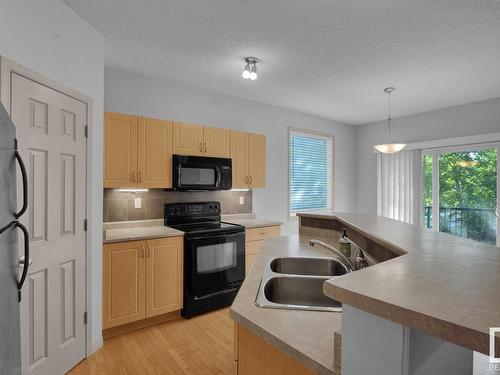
x=242, y=200
x=137, y=202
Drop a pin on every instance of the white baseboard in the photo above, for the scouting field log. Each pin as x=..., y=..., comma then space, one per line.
x=96, y=346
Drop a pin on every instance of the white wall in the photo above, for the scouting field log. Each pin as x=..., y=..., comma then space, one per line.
x=469, y=119
x=138, y=94
x=75, y=58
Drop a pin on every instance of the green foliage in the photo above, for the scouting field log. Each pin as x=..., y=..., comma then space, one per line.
x=468, y=179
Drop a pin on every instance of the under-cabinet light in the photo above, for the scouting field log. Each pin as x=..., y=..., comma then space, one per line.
x=132, y=190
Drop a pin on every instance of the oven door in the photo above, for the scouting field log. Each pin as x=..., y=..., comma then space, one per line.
x=214, y=260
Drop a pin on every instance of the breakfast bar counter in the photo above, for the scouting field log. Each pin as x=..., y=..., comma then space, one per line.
x=442, y=285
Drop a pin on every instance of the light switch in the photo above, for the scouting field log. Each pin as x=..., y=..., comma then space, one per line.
x=242, y=200
x=137, y=202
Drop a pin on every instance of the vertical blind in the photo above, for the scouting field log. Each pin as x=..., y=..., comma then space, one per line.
x=310, y=171
x=399, y=185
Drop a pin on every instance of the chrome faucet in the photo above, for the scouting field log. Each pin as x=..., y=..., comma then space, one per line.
x=351, y=265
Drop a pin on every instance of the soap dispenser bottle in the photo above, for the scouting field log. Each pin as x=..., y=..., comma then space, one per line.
x=345, y=245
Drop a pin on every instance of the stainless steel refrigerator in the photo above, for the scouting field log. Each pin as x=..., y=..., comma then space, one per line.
x=13, y=269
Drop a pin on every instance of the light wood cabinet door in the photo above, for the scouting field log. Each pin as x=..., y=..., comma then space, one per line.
x=154, y=153
x=239, y=156
x=164, y=275
x=120, y=150
x=188, y=139
x=123, y=283
x=217, y=142
x=257, y=160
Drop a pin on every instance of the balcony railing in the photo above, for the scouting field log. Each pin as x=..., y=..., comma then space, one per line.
x=479, y=224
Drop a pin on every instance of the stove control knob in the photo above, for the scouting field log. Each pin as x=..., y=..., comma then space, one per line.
x=177, y=211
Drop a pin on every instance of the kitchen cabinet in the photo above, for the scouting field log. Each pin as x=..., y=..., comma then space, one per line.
x=256, y=356
x=217, y=142
x=120, y=150
x=123, y=283
x=248, y=152
x=137, y=152
x=254, y=237
x=141, y=279
x=257, y=160
x=164, y=276
x=188, y=139
x=154, y=155
x=198, y=140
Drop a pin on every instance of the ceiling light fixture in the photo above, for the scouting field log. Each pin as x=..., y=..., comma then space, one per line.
x=250, y=71
x=389, y=147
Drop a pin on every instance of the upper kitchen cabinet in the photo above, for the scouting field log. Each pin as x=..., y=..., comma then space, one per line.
x=120, y=150
x=248, y=152
x=137, y=152
x=154, y=153
x=217, y=142
x=239, y=156
x=198, y=140
x=257, y=160
x=188, y=139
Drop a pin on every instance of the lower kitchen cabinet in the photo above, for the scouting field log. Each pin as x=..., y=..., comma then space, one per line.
x=254, y=237
x=253, y=355
x=141, y=279
x=164, y=276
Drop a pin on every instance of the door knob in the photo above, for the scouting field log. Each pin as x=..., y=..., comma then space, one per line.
x=22, y=260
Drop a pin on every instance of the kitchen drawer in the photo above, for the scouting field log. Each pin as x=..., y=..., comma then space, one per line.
x=263, y=233
x=252, y=247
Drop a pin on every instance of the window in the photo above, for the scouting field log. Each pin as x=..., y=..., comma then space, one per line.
x=460, y=192
x=310, y=171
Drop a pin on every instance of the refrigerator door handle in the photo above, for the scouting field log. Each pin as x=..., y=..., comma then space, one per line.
x=25, y=184
x=26, y=256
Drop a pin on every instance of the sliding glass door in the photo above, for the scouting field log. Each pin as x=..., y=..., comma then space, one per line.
x=460, y=192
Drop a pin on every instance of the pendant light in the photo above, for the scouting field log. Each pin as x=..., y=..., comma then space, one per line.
x=389, y=147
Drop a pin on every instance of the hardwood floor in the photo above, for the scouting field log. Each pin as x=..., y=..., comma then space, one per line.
x=201, y=345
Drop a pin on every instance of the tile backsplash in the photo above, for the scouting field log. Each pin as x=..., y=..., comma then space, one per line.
x=119, y=206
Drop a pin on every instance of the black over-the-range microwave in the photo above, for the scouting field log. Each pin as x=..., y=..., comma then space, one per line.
x=201, y=173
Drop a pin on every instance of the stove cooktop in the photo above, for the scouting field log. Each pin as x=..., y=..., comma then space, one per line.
x=208, y=227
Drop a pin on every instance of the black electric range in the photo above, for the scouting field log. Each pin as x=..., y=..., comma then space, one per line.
x=214, y=255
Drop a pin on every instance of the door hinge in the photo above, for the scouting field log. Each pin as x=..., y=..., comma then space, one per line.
x=85, y=225
x=85, y=317
x=86, y=131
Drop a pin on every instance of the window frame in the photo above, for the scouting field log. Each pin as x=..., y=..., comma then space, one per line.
x=435, y=154
x=313, y=134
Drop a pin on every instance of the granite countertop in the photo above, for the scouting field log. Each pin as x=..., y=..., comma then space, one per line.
x=137, y=230
x=307, y=336
x=249, y=221
x=445, y=286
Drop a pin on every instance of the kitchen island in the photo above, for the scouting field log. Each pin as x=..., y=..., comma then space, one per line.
x=428, y=290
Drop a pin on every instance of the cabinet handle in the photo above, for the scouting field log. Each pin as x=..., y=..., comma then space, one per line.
x=148, y=252
x=139, y=176
x=246, y=180
x=250, y=180
x=142, y=252
x=201, y=147
x=133, y=176
x=205, y=147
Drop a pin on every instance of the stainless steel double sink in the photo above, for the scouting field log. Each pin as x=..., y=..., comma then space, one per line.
x=296, y=283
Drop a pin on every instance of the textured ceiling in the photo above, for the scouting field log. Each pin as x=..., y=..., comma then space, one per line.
x=330, y=58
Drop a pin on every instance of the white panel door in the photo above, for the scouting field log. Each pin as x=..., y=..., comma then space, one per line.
x=50, y=130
